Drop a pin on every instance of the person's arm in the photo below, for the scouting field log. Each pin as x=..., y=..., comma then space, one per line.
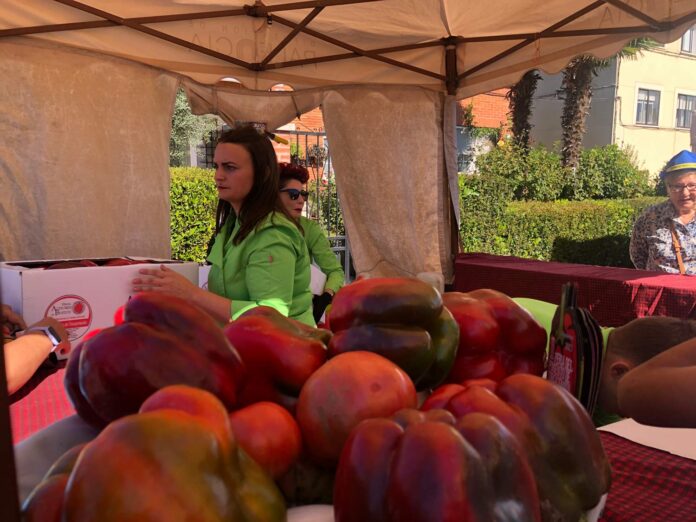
x=25, y=354
x=638, y=248
x=22, y=357
x=168, y=281
x=320, y=250
x=661, y=391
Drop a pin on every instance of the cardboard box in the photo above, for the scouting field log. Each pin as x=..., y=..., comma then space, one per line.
x=82, y=298
x=203, y=271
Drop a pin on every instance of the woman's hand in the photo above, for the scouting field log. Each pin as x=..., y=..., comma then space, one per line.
x=11, y=321
x=164, y=280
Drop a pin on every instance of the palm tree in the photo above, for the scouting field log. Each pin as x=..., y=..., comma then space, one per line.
x=520, y=99
x=577, y=90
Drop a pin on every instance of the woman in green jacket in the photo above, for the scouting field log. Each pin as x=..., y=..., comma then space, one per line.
x=259, y=256
x=293, y=196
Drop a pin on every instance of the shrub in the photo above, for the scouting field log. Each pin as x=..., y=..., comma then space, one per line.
x=588, y=232
x=483, y=200
x=608, y=173
x=193, y=200
x=544, y=176
x=535, y=174
x=324, y=203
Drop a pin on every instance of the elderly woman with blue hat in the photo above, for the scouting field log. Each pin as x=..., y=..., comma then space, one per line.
x=664, y=235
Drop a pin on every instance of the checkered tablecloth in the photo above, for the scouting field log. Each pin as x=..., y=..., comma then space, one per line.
x=39, y=403
x=613, y=295
x=648, y=485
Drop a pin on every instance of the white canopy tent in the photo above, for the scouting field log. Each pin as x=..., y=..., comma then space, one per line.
x=87, y=88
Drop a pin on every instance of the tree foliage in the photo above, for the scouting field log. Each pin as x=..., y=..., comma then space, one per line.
x=577, y=91
x=187, y=128
x=520, y=99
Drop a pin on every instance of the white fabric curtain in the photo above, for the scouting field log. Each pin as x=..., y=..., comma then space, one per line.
x=387, y=150
x=231, y=104
x=84, y=169
x=83, y=155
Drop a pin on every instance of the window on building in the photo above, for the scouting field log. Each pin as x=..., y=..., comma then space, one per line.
x=689, y=40
x=648, y=107
x=685, y=106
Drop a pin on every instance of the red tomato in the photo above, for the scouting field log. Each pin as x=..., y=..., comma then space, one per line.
x=269, y=435
x=347, y=389
x=194, y=401
x=119, y=315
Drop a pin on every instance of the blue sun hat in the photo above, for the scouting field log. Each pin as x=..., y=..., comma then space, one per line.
x=682, y=163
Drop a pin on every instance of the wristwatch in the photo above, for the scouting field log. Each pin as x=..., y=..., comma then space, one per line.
x=52, y=335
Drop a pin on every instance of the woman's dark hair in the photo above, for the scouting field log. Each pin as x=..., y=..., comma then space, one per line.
x=289, y=171
x=263, y=198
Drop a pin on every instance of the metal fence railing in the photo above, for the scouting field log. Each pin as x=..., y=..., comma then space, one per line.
x=311, y=149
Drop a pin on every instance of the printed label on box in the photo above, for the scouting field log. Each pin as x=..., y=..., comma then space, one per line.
x=74, y=312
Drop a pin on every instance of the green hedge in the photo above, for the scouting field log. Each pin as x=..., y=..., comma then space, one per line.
x=536, y=174
x=193, y=199
x=588, y=232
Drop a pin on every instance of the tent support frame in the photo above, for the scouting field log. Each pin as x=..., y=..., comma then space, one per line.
x=258, y=9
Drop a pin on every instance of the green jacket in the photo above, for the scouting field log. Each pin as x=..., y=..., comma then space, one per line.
x=270, y=267
x=320, y=251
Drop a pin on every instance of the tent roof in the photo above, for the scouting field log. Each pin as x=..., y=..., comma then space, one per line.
x=459, y=46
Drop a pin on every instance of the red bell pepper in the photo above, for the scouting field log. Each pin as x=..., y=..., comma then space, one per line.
x=45, y=502
x=571, y=469
x=428, y=466
x=164, y=340
x=279, y=354
x=178, y=460
x=400, y=319
x=497, y=337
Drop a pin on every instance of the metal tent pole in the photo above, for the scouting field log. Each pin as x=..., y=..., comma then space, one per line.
x=9, y=493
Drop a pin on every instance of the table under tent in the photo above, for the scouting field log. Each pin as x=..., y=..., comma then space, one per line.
x=87, y=90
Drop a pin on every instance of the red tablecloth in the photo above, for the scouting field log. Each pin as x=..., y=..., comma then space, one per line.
x=40, y=402
x=648, y=485
x=614, y=296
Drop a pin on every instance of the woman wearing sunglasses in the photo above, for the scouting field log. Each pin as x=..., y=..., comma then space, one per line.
x=664, y=235
x=259, y=256
x=293, y=195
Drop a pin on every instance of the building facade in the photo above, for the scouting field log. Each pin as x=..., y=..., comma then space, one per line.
x=645, y=104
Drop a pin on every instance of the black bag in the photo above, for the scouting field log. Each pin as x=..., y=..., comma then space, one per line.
x=576, y=350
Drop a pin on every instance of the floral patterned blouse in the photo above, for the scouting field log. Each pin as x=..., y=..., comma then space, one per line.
x=651, y=242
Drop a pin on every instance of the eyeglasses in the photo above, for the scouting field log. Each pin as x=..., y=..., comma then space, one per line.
x=691, y=187
x=294, y=193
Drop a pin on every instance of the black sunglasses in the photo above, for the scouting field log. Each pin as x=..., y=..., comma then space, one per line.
x=294, y=193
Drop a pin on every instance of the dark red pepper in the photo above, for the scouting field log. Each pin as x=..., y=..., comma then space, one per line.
x=428, y=466
x=400, y=319
x=497, y=337
x=279, y=354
